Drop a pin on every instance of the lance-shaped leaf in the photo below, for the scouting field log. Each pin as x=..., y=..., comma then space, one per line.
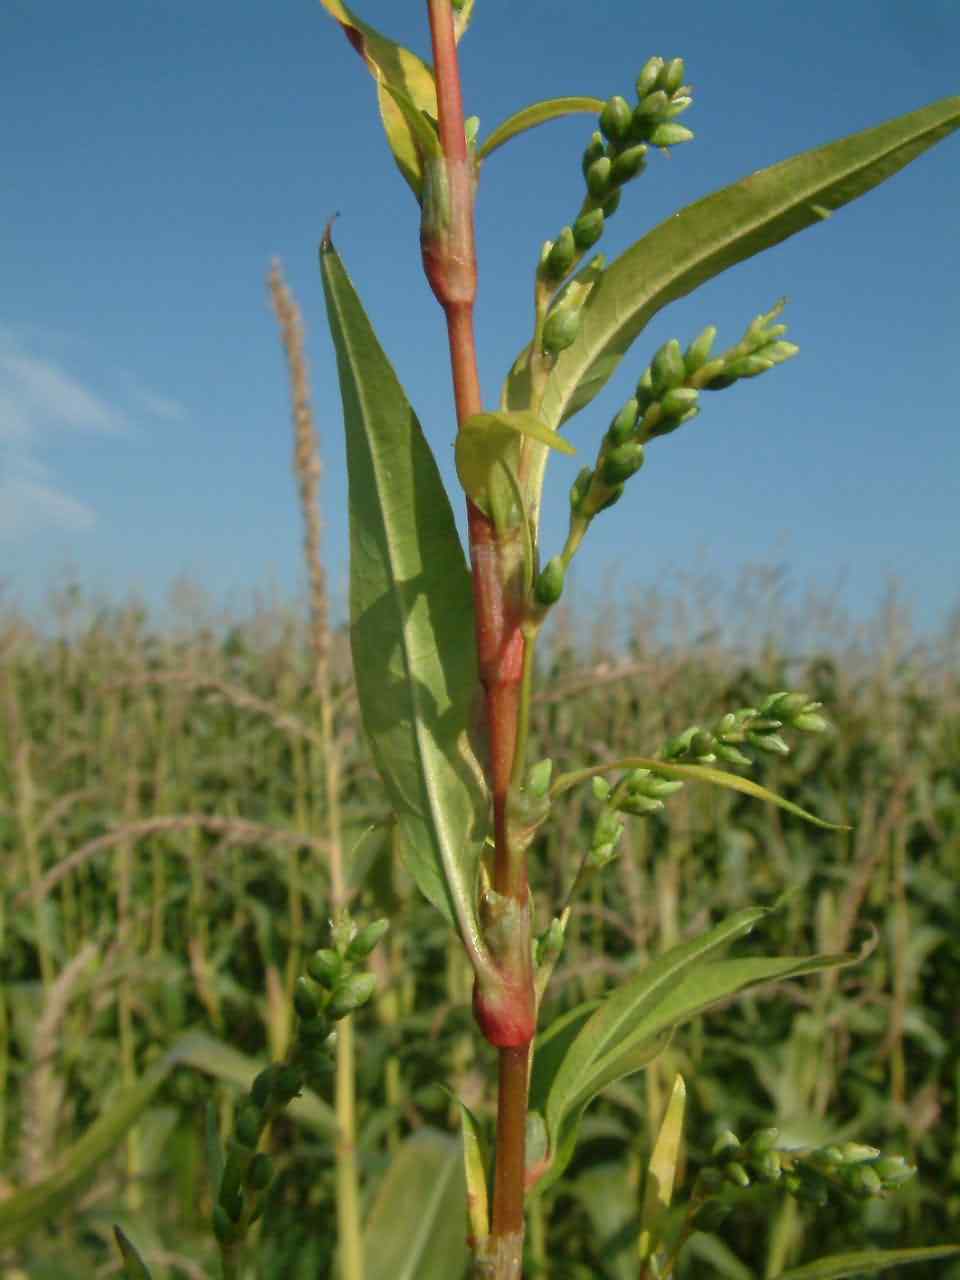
x=866, y=1262
x=487, y=442
x=393, y=67
x=27, y=1209
x=411, y=618
x=692, y=773
x=630, y=1025
x=717, y=232
x=415, y=1227
x=662, y=1170
x=134, y=1267
x=536, y=114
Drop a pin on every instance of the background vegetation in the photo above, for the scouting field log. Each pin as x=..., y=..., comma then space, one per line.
x=165, y=837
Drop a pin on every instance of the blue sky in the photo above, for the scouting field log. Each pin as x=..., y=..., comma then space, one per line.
x=157, y=156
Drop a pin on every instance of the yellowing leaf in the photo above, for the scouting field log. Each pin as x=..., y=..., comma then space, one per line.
x=393, y=67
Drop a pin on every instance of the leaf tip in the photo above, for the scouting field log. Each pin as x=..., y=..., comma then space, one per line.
x=326, y=240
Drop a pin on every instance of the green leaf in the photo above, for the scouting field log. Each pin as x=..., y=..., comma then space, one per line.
x=631, y=1024
x=393, y=67
x=487, y=439
x=31, y=1207
x=869, y=1260
x=134, y=1268
x=215, y=1058
x=537, y=113
x=416, y=1223
x=719, y=231
x=692, y=773
x=461, y=19
x=662, y=1169
x=411, y=611
x=475, y=1157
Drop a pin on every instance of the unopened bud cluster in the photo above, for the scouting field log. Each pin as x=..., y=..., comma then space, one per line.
x=640, y=794
x=810, y=1174
x=331, y=989
x=667, y=395
x=757, y=727
x=616, y=154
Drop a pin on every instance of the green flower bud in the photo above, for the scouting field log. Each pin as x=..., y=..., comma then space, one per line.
x=701, y=745
x=595, y=149
x=730, y=755
x=615, y=119
x=771, y=743
x=726, y=1142
x=894, y=1170
x=628, y=164
x=232, y=1202
x=601, y=787
x=857, y=1152
x=809, y=722
x=784, y=704
x=656, y=787
x=678, y=401
x=671, y=76
x=313, y=1033
x=288, y=1082
x=588, y=228
x=223, y=1226
x=598, y=177
x=639, y=806
x=262, y=1086
x=579, y=489
x=612, y=203
x=763, y=1140
x=614, y=494
x=260, y=1172
x=367, y=939
x=325, y=967
x=670, y=135
x=550, y=943
x=307, y=1000
x=650, y=106
x=667, y=369
x=622, y=462
x=248, y=1126
x=649, y=76
x=560, y=258
x=679, y=103
x=748, y=366
x=698, y=352
x=624, y=424
x=548, y=588
x=767, y=1166
x=352, y=993
x=778, y=352
x=737, y=1175
x=538, y=779
x=864, y=1181
x=560, y=329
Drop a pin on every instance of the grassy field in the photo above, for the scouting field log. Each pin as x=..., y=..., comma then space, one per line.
x=166, y=832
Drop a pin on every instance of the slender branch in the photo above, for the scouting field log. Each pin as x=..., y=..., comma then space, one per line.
x=506, y=1013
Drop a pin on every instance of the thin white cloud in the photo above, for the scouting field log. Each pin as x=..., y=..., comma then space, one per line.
x=165, y=408
x=30, y=501
x=38, y=396
x=41, y=399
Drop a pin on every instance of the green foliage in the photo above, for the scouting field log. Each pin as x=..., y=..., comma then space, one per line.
x=411, y=618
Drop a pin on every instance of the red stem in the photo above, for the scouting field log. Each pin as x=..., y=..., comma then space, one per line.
x=449, y=253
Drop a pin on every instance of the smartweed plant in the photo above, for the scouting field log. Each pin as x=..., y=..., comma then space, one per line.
x=445, y=653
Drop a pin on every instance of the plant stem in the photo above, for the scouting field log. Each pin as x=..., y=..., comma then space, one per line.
x=497, y=558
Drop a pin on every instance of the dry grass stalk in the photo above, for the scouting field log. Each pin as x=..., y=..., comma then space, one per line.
x=306, y=460
x=43, y=1093
x=236, y=831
